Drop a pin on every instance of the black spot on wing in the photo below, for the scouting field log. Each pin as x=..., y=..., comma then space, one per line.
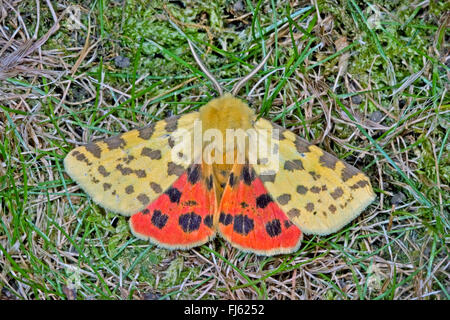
x=174, y=194
x=244, y=205
x=287, y=224
x=243, y=224
x=194, y=173
x=189, y=221
x=208, y=221
x=209, y=182
x=231, y=180
x=225, y=219
x=263, y=200
x=248, y=175
x=159, y=219
x=273, y=228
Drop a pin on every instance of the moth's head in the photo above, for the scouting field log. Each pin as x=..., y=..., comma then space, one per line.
x=226, y=112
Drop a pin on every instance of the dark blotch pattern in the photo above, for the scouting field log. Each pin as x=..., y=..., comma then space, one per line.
x=314, y=175
x=95, y=180
x=301, y=145
x=171, y=142
x=144, y=199
x=174, y=169
x=145, y=211
x=146, y=132
x=174, y=194
x=129, y=189
x=243, y=224
x=171, y=124
x=159, y=219
x=115, y=142
x=293, y=165
x=94, y=149
x=152, y=154
x=106, y=186
x=128, y=159
x=315, y=189
x=332, y=208
x=309, y=206
x=359, y=184
x=327, y=160
x=273, y=228
x=293, y=213
x=244, y=205
x=284, y=199
x=140, y=173
x=190, y=222
x=81, y=157
x=263, y=200
x=155, y=187
x=124, y=170
x=103, y=171
x=225, y=219
x=267, y=177
x=348, y=172
x=337, y=193
x=302, y=189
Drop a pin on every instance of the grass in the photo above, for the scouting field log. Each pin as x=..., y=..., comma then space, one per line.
x=365, y=80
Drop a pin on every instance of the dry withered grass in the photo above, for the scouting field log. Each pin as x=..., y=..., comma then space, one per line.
x=61, y=85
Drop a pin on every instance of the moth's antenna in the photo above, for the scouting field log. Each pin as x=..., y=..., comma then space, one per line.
x=205, y=70
x=241, y=83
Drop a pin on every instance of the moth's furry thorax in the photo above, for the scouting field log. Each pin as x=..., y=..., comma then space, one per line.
x=226, y=112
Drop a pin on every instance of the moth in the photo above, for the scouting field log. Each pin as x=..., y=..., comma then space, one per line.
x=185, y=179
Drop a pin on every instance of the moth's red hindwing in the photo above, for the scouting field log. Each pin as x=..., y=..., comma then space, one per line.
x=251, y=220
x=181, y=217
